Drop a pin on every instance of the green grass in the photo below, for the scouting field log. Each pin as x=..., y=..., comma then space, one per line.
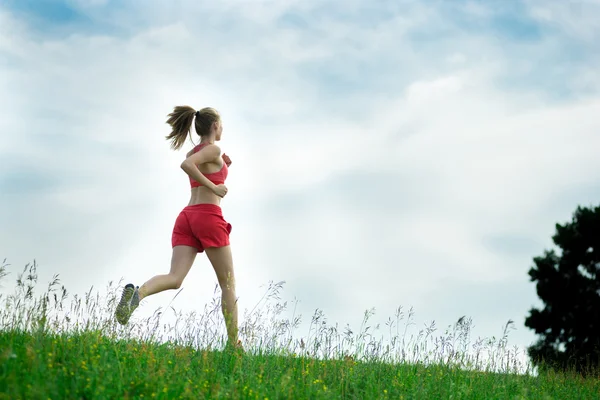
x=53, y=350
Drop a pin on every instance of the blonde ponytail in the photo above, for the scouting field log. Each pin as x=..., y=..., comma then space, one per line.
x=181, y=123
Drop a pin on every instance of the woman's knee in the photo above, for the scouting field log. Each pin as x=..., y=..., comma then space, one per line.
x=227, y=283
x=176, y=281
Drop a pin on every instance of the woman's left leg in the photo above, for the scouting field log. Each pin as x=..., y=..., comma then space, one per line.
x=222, y=262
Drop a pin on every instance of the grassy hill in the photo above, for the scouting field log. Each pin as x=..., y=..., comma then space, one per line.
x=52, y=350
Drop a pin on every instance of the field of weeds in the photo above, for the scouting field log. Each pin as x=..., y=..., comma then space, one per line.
x=57, y=346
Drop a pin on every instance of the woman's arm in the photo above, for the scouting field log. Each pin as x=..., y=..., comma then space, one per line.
x=227, y=160
x=190, y=164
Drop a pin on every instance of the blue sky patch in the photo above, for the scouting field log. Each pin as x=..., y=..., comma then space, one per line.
x=513, y=244
x=22, y=180
x=50, y=11
x=58, y=19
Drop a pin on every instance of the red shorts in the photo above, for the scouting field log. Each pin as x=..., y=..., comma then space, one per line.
x=201, y=226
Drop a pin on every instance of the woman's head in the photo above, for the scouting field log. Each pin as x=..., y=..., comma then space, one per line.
x=208, y=123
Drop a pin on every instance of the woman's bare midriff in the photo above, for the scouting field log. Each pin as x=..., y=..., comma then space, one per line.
x=203, y=195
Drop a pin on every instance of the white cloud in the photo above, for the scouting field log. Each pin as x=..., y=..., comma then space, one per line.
x=577, y=18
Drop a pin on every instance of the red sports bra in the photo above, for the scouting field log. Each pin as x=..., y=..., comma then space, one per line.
x=216, y=177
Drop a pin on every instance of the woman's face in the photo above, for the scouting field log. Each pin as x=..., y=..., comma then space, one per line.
x=219, y=130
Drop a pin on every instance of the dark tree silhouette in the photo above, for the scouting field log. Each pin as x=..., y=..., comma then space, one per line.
x=569, y=285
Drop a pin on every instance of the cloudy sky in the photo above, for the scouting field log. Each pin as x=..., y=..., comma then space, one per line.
x=388, y=153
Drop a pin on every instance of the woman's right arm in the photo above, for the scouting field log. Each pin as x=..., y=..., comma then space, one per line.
x=190, y=164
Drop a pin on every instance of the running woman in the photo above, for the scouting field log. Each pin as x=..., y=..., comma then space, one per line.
x=200, y=227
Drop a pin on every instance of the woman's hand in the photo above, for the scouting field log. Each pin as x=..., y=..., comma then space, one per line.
x=227, y=160
x=220, y=190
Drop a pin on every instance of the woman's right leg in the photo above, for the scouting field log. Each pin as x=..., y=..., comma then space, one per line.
x=181, y=262
x=222, y=262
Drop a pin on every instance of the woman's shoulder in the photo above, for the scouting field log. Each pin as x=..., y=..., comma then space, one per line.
x=198, y=147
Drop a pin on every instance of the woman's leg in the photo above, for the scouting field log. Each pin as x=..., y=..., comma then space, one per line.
x=222, y=262
x=181, y=262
